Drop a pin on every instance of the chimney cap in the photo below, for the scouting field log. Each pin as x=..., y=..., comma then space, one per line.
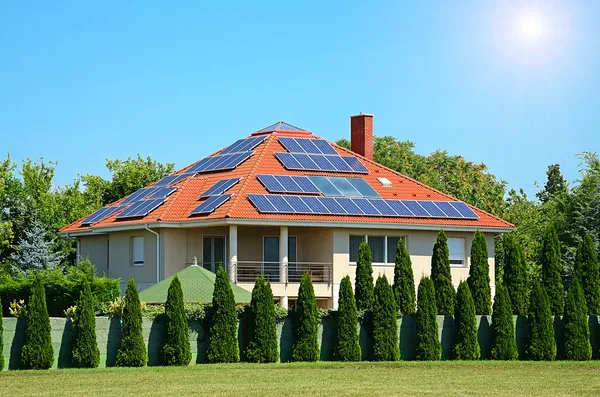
x=361, y=114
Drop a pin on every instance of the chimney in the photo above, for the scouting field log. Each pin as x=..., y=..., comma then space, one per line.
x=361, y=135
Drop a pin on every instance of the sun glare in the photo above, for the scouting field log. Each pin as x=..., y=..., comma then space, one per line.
x=531, y=27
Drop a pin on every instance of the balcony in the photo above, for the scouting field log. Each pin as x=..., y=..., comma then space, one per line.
x=248, y=271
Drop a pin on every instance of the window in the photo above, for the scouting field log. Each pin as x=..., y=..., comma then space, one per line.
x=392, y=245
x=385, y=182
x=271, y=257
x=137, y=250
x=383, y=248
x=213, y=252
x=354, y=243
x=377, y=245
x=456, y=246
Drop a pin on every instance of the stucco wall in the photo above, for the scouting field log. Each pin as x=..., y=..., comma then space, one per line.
x=95, y=248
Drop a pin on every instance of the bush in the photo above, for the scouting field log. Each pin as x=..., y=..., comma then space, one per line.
x=132, y=352
x=306, y=346
x=404, y=280
x=577, y=332
x=222, y=337
x=1, y=341
x=385, y=325
x=588, y=272
x=84, y=350
x=515, y=275
x=541, y=344
x=504, y=344
x=441, y=277
x=263, y=346
x=37, y=352
x=364, y=278
x=428, y=344
x=466, y=346
x=479, y=275
x=346, y=343
x=176, y=340
x=550, y=260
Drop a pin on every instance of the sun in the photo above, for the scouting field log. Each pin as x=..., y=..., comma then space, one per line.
x=531, y=27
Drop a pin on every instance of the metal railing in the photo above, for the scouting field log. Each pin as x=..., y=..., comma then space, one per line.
x=248, y=271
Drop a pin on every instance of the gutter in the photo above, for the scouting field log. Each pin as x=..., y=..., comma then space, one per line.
x=157, y=252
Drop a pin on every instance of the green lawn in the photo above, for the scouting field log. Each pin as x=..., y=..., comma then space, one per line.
x=328, y=379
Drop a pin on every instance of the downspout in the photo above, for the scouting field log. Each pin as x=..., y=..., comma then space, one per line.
x=157, y=252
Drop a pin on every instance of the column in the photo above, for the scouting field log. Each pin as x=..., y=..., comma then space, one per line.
x=283, y=254
x=233, y=246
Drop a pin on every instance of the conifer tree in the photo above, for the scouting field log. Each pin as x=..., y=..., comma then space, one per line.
x=176, y=348
x=541, y=344
x=385, y=325
x=1, y=340
x=262, y=347
x=441, y=277
x=577, y=332
x=84, y=350
x=550, y=259
x=515, y=275
x=588, y=272
x=223, y=344
x=404, y=280
x=364, y=278
x=428, y=344
x=132, y=352
x=479, y=275
x=504, y=343
x=346, y=346
x=306, y=326
x=466, y=346
x=37, y=352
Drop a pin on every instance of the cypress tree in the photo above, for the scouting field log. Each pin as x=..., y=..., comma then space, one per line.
x=466, y=346
x=541, y=344
x=364, y=278
x=306, y=345
x=588, y=272
x=132, y=352
x=346, y=346
x=550, y=260
x=1, y=340
x=428, y=344
x=37, y=352
x=175, y=349
x=577, y=332
x=504, y=344
x=85, y=352
x=223, y=336
x=515, y=275
x=441, y=277
x=404, y=280
x=479, y=275
x=385, y=325
x=262, y=347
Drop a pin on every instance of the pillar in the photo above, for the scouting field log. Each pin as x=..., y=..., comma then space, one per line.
x=233, y=246
x=283, y=254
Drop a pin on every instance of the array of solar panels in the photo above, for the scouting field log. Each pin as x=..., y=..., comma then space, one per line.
x=318, y=205
x=230, y=157
x=215, y=197
x=328, y=186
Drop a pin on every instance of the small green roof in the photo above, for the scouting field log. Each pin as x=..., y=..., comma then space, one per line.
x=197, y=284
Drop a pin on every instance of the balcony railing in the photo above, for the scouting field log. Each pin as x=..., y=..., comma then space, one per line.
x=248, y=271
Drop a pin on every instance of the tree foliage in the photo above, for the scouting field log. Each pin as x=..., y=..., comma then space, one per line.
x=385, y=324
x=555, y=184
x=132, y=351
x=85, y=352
x=223, y=344
x=306, y=324
x=479, y=275
x=504, y=344
x=364, y=278
x=34, y=252
x=466, y=346
x=175, y=348
x=577, y=332
x=441, y=276
x=263, y=346
x=346, y=343
x=541, y=344
x=1, y=340
x=587, y=270
x=551, y=271
x=515, y=275
x=37, y=352
x=428, y=344
x=404, y=280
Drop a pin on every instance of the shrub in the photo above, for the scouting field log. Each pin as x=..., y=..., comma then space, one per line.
x=176, y=340
x=541, y=344
x=428, y=344
x=306, y=347
x=346, y=344
x=84, y=350
x=385, y=325
x=550, y=260
x=588, y=272
x=222, y=337
x=132, y=352
x=364, y=278
x=504, y=344
x=466, y=346
x=515, y=275
x=577, y=332
x=404, y=280
x=441, y=277
x=479, y=275
x=37, y=352
x=1, y=341
x=263, y=347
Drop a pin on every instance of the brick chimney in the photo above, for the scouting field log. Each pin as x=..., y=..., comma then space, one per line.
x=361, y=135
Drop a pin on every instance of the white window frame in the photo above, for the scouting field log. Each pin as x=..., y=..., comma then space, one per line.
x=385, y=246
x=136, y=262
x=464, y=258
x=213, y=264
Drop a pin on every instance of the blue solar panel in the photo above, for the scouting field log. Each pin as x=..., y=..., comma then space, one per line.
x=349, y=206
x=325, y=186
x=366, y=207
x=324, y=146
x=383, y=207
x=298, y=205
x=244, y=145
x=323, y=163
x=220, y=187
x=315, y=204
x=221, y=162
x=399, y=207
x=448, y=209
x=308, y=145
x=141, y=208
x=211, y=204
x=291, y=145
x=172, y=179
x=332, y=205
x=289, y=161
x=355, y=164
x=261, y=203
x=280, y=204
x=289, y=184
x=305, y=184
x=363, y=187
x=432, y=208
x=339, y=163
x=271, y=183
x=415, y=208
x=345, y=187
x=306, y=161
x=464, y=210
x=162, y=192
x=139, y=194
x=102, y=213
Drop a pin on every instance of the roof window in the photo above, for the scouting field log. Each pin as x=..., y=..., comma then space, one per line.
x=385, y=182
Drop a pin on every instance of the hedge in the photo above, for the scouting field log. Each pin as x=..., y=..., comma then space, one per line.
x=222, y=336
x=479, y=275
x=466, y=346
x=404, y=280
x=364, y=290
x=428, y=344
x=441, y=276
x=504, y=344
x=85, y=352
x=587, y=270
x=175, y=348
x=132, y=351
x=37, y=352
x=385, y=325
x=263, y=347
x=550, y=260
x=577, y=331
x=306, y=323
x=541, y=344
x=346, y=343
x=515, y=275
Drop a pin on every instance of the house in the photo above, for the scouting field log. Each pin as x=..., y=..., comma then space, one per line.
x=282, y=202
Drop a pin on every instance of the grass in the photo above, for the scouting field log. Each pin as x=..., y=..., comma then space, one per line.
x=448, y=378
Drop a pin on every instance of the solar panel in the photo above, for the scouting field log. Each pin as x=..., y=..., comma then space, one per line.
x=332, y=205
x=243, y=145
x=271, y=183
x=280, y=204
x=162, y=192
x=305, y=184
x=365, y=206
x=464, y=209
x=355, y=164
x=383, y=207
x=345, y=187
x=298, y=205
x=399, y=207
x=289, y=161
x=291, y=145
x=324, y=146
x=448, y=209
x=102, y=213
x=415, y=208
x=141, y=208
x=139, y=194
x=172, y=179
x=325, y=186
x=308, y=145
x=432, y=208
x=220, y=187
x=211, y=204
x=220, y=162
x=320, y=162
x=363, y=187
x=306, y=162
x=339, y=163
x=350, y=206
x=315, y=204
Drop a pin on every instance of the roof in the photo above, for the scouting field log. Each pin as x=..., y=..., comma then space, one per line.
x=197, y=284
x=175, y=211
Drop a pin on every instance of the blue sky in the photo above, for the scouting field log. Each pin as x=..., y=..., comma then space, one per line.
x=82, y=82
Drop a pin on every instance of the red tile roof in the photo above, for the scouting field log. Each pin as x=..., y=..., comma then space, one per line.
x=179, y=204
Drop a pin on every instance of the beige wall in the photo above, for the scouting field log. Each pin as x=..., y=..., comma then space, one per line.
x=95, y=248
